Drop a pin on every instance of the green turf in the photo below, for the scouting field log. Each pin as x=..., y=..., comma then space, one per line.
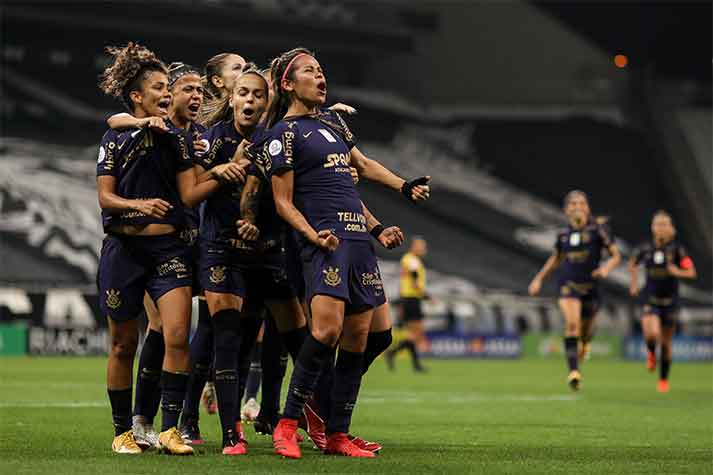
x=463, y=416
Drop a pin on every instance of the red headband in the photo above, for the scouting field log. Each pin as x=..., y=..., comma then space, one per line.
x=289, y=65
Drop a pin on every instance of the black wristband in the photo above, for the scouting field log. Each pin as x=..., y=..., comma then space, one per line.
x=407, y=187
x=376, y=231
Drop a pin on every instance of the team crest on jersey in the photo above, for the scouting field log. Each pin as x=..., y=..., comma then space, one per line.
x=331, y=276
x=659, y=257
x=113, y=299
x=275, y=147
x=575, y=239
x=585, y=237
x=217, y=274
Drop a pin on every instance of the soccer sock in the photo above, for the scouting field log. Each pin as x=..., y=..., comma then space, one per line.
x=201, y=358
x=347, y=380
x=226, y=328
x=120, y=401
x=411, y=347
x=293, y=341
x=173, y=391
x=255, y=373
x=651, y=346
x=304, y=377
x=272, y=373
x=325, y=383
x=665, y=367
x=376, y=344
x=585, y=339
x=570, y=350
x=148, y=387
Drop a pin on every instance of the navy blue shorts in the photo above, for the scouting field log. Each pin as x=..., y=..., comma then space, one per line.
x=220, y=269
x=586, y=292
x=269, y=277
x=130, y=265
x=666, y=308
x=350, y=274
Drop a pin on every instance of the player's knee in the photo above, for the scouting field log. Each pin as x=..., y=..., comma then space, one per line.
x=176, y=339
x=124, y=347
x=327, y=334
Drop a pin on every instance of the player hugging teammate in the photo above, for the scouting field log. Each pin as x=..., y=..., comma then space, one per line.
x=148, y=189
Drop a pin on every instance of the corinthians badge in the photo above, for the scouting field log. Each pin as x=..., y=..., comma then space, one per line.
x=331, y=276
x=113, y=299
x=217, y=274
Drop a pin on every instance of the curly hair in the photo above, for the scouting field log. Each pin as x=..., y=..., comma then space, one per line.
x=218, y=110
x=282, y=99
x=129, y=68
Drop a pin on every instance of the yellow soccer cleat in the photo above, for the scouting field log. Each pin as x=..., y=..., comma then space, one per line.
x=574, y=380
x=172, y=443
x=125, y=444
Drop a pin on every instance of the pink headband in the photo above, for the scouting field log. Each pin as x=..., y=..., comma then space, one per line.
x=289, y=65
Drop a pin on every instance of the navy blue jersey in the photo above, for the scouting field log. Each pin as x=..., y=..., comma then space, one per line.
x=222, y=208
x=659, y=283
x=195, y=131
x=316, y=148
x=580, y=251
x=145, y=164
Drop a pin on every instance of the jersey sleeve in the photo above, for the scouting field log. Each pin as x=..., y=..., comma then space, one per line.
x=605, y=236
x=637, y=254
x=337, y=123
x=185, y=151
x=682, y=258
x=108, y=150
x=558, y=244
x=278, y=150
x=207, y=158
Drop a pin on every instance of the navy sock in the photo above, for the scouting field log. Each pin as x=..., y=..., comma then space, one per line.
x=148, y=381
x=323, y=391
x=415, y=359
x=570, y=350
x=201, y=359
x=226, y=328
x=665, y=367
x=304, y=377
x=120, y=401
x=293, y=341
x=255, y=374
x=651, y=345
x=347, y=380
x=173, y=391
x=272, y=373
x=376, y=344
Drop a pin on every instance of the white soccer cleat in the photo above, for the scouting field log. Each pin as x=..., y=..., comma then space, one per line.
x=250, y=410
x=145, y=435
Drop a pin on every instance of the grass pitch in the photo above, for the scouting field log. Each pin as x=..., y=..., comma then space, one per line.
x=462, y=416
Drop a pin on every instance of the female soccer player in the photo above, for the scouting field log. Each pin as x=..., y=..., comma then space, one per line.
x=187, y=98
x=144, y=177
x=577, y=254
x=313, y=190
x=226, y=242
x=666, y=261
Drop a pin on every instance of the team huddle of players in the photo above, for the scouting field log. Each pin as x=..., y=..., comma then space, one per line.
x=239, y=185
x=249, y=198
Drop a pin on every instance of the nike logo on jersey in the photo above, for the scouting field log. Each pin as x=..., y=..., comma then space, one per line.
x=307, y=134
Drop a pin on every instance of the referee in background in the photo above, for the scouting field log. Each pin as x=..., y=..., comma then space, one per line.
x=413, y=291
